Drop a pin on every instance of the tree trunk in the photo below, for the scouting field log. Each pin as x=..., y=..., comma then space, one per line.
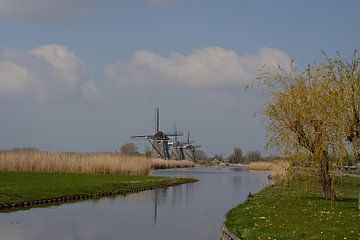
x=328, y=189
x=325, y=178
x=321, y=157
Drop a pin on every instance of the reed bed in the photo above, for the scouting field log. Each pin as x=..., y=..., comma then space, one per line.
x=64, y=162
x=161, y=163
x=278, y=168
x=260, y=166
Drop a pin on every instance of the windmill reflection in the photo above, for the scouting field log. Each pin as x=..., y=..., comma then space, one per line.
x=172, y=196
x=155, y=212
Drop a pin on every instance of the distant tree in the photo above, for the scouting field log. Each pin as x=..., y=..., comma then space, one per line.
x=147, y=151
x=218, y=157
x=129, y=149
x=24, y=149
x=253, y=156
x=200, y=155
x=236, y=156
x=271, y=158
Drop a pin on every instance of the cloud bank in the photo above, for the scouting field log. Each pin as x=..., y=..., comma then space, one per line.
x=46, y=71
x=208, y=68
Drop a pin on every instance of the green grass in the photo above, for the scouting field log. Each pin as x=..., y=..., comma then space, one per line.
x=298, y=211
x=20, y=187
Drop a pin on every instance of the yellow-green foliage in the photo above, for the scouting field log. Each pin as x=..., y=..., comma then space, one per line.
x=317, y=108
x=314, y=115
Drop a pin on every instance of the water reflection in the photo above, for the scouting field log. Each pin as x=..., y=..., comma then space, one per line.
x=190, y=211
x=155, y=205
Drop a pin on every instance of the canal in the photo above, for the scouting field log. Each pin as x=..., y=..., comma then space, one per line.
x=190, y=211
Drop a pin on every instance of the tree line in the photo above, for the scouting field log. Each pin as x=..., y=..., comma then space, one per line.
x=237, y=156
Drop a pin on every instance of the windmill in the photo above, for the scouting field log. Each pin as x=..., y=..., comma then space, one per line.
x=176, y=147
x=190, y=148
x=159, y=140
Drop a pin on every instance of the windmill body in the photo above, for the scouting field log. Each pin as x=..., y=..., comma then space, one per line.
x=159, y=140
x=179, y=149
x=160, y=144
x=176, y=147
x=189, y=148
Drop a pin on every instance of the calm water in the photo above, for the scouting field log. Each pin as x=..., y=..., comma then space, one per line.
x=190, y=211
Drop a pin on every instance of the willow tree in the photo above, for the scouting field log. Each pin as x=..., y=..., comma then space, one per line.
x=305, y=119
x=345, y=77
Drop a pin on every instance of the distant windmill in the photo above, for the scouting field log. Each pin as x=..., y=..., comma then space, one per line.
x=159, y=140
x=189, y=148
x=176, y=147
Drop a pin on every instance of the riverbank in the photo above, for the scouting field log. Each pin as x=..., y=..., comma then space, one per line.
x=298, y=211
x=28, y=189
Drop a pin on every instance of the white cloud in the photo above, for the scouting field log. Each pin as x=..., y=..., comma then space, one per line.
x=46, y=71
x=91, y=91
x=19, y=79
x=45, y=10
x=208, y=68
x=63, y=61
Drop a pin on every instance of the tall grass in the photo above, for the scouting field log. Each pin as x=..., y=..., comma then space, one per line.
x=161, y=163
x=66, y=162
x=38, y=161
x=260, y=166
x=278, y=168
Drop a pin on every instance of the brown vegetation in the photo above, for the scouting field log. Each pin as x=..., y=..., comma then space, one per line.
x=278, y=168
x=161, y=163
x=38, y=161
x=64, y=162
x=260, y=166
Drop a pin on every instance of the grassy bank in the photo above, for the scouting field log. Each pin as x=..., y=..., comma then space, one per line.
x=298, y=211
x=29, y=187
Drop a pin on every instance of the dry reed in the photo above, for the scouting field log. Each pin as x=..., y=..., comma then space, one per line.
x=161, y=163
x=104, y=163
x=260, y=166
x=278, y=168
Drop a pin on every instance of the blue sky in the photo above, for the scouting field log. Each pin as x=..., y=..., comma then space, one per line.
x=84, y=75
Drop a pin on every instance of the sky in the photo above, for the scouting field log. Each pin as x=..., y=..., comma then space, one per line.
x=85, y=75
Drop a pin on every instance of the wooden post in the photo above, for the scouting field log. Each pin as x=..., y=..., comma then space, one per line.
x=226, y=234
